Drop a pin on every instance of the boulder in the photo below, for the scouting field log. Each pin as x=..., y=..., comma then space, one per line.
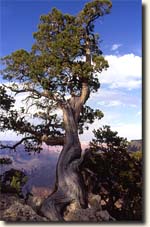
x=87, y=215
x=94, y=213
x=94, y=201
x=14, y=209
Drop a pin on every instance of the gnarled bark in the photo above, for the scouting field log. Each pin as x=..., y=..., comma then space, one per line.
x=69, y=185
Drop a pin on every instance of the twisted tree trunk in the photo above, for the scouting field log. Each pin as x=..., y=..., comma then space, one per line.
x=69, y=185
x=69, y=182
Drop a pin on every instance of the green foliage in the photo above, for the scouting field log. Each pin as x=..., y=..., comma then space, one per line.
x=87, y=116
x=12, y=181
x=93, y=10
x=66, y=54
x=15, y=183
x=5, y=161
x=107, y=140
x=137, y=155
x=112, y=172
x=60, y=39
x=52, y=62
x=6, y=101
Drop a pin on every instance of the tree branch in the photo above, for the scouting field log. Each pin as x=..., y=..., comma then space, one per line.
x=85, y=92
x=16, y=144
x=53, y=141
x=44, y=93
x=17, y=91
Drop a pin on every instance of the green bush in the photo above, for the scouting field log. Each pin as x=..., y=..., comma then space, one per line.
x=5, y=161
x=12, y=181
x=112, y=172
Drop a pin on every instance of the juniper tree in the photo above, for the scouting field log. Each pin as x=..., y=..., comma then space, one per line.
x=60, y=72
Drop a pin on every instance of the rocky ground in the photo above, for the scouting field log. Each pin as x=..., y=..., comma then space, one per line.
x=14, y=209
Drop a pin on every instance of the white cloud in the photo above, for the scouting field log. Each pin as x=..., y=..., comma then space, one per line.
x=130, y=131
x=132, y=84
x=115, y=46
x=139, y=113
x=9, y=135
x=123, y=72
x=106, y=120
x=133, y=105
x=106, y=97
x=126, y=130
x=112, y=103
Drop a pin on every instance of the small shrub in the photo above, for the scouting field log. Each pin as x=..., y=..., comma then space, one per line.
x=12, y=181
x=112, y=172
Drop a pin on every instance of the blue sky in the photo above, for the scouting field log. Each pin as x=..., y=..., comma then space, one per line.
x=121, y=31
x=19, y=19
